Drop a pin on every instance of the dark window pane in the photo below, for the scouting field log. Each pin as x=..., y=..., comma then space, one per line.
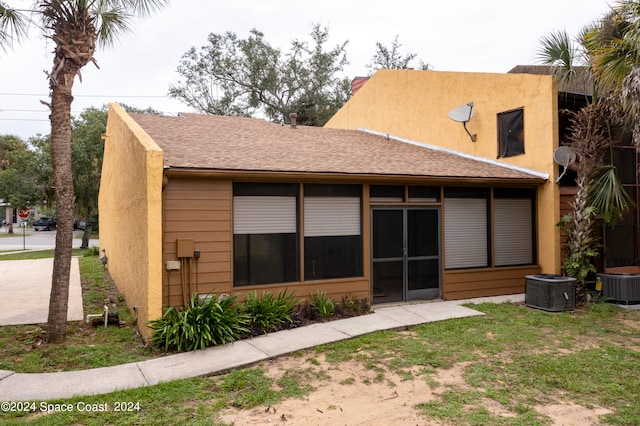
x=511, y=133
x=264, y=259
x=271, y=189
x=418, y=194
x=388, y=231
x=332, y=257
x=423, y=238
x=323, y=190
x=423, y=274
x=465, y=192
x=388, y=281
x=386, y=193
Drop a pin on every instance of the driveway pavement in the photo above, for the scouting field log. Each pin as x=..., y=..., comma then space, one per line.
x=25, y=288
x=25, y=285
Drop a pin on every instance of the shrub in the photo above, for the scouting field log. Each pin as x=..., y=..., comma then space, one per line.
x=92, y=251
x=352, y=307
x=323, y=305
x=269, y=313
x=203, y=323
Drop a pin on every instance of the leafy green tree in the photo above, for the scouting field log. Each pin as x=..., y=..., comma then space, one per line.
x=86, y=155
x=390, y=57
x=75, y=28
x=249, y=77
x=87, y=150
x=18, y=183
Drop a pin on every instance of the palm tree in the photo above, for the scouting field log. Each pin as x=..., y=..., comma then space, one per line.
x=592, y=136
x=614, y=47
x=75, y=27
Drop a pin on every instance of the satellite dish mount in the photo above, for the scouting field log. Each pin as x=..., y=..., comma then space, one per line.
x=563, y=156
x=462, y=114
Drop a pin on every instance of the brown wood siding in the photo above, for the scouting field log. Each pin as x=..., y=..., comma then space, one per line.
x=482, y=283
x=198, y=210
x=336, y=289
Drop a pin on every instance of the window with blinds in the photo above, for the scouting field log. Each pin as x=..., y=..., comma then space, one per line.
x=332, y=231
x=265, y=229
x=472, y=232
x=465, y=233
x=512, y=231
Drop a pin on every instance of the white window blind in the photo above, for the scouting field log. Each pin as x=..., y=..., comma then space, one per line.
x=512, y=235
x=264, y=215
x=331, y=216
x=465, y=233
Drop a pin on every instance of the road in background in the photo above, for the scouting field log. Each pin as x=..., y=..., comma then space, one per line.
x=36, y=240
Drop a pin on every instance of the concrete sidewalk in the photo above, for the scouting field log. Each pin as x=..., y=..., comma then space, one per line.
x=46, y=386
x=25, y=289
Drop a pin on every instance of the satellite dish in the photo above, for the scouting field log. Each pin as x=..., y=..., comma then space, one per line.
x=462, y=114
x=564, y=156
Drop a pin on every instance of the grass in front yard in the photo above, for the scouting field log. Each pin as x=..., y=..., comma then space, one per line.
x=513, y=357
x=35, y=254
x=23, y=347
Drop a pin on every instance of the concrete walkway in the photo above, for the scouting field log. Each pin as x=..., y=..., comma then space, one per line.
x=46, y=386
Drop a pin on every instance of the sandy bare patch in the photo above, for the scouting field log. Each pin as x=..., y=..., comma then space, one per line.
x=570, y=414
x=349, y=393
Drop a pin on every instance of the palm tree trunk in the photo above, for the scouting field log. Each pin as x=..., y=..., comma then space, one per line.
x=61, y=99
x=581, y=238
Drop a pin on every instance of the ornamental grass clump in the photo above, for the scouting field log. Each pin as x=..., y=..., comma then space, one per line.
x=268, y=312
x=323, y=305
x=204, y=322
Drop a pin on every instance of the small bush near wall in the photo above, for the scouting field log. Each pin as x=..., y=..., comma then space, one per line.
x=323, y=305
x=269, y=313
x=206, y=322
x=215, y=321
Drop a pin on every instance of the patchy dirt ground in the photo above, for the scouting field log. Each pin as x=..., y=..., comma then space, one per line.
x=355, y=395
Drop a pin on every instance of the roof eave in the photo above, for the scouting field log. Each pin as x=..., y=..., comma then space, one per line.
x=184, y=172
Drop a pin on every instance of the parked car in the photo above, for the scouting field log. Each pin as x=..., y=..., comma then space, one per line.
x=79, y=224
x=44, y=224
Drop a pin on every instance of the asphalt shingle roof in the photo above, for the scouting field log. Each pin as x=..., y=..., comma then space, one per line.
x=198, y=141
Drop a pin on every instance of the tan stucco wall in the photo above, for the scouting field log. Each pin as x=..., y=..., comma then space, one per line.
x=414, y=104
x=131, y=214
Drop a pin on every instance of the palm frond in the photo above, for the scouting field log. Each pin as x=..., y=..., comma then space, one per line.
x=13, y=26
x=114, y=17
x=608, y=196
x=143, y=8
x=559, y=51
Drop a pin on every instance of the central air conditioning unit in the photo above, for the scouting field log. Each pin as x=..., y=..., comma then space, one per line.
x=553, y=293
x=621, y=288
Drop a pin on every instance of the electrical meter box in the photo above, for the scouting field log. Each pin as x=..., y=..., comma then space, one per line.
x=185, y=248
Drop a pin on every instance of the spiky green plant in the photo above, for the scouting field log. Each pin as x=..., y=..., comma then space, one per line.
x=269, y=312
x=608, y=196
x=207, y=322
x=323, y=305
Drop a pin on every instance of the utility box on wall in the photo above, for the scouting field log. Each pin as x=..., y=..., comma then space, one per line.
x=553, y=293
x=185, y=248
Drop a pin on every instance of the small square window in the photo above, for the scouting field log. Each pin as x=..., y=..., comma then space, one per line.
x=511, y=133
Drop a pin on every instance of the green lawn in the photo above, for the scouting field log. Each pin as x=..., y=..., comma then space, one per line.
x=515, y=356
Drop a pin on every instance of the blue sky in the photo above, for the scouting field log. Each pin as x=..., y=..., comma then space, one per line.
x=458, y=35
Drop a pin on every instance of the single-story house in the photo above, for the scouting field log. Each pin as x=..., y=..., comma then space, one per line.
x=228, y=205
